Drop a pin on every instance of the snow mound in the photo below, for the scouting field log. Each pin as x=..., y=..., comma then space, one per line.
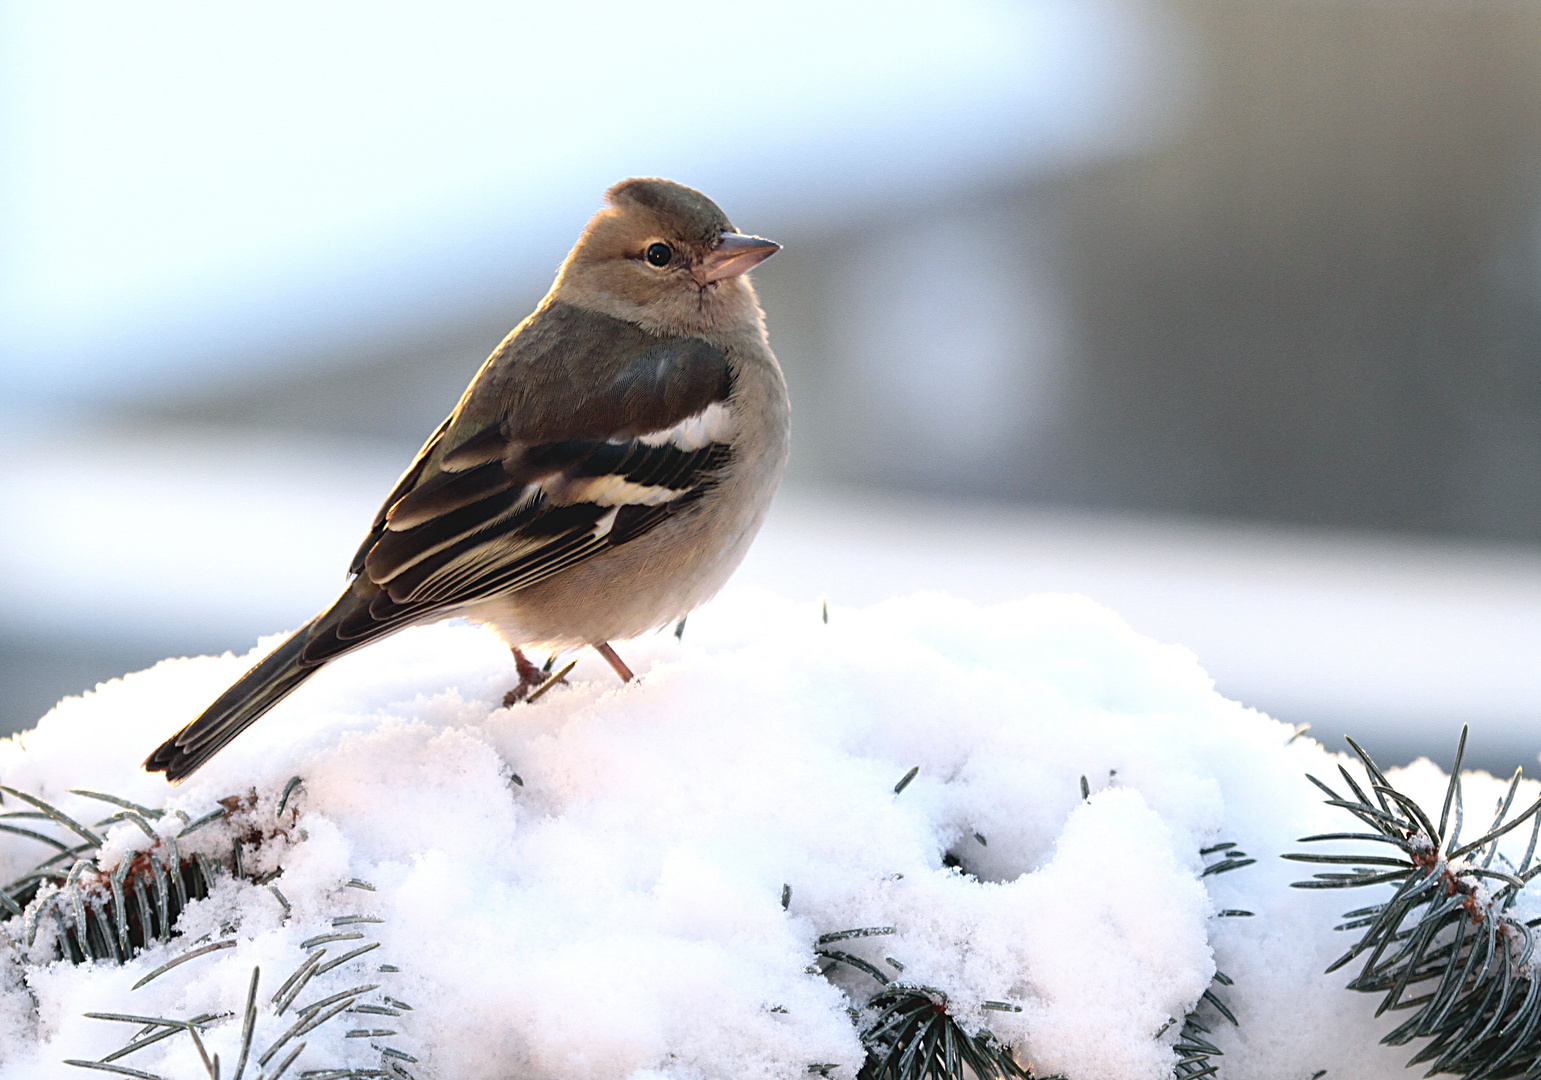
x=631, y=881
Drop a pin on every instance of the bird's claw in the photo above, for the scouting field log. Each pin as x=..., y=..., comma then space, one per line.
x=532, y=680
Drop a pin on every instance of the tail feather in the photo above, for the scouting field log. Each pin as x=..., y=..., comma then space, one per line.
x=280, y=673
x=264, y=686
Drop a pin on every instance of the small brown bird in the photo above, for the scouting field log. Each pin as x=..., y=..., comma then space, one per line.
x=602, y=475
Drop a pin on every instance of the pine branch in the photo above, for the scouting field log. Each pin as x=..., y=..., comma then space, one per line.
x=909, y=1033
x=115, y=915
x=1446, y=929
x=1194, y=1051
x=110, y=915
x=914, y=1037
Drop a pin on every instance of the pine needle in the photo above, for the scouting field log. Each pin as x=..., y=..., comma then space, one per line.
x=204, y=950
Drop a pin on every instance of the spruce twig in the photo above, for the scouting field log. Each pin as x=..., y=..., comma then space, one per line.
x=1193, y=1050
x=98, y=919
x=1447, y=929
x=913, y=1036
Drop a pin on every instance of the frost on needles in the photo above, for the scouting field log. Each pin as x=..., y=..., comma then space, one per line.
x=924, y=839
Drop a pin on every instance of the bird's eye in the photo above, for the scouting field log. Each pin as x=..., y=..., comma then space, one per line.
x=659, y=254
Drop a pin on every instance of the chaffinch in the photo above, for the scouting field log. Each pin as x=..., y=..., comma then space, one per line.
x=601, y=476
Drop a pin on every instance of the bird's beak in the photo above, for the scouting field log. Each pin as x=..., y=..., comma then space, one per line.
x=733, y=255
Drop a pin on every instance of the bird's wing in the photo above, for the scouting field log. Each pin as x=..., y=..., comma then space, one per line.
x=581, y=433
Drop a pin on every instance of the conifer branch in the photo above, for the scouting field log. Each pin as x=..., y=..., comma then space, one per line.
x=912, y=1036
x=1447, y=927
x=115, y=915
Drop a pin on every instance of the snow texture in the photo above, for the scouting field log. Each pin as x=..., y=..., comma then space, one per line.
x=591, y=886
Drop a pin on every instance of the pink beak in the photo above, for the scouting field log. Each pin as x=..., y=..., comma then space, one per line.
x=734, y=255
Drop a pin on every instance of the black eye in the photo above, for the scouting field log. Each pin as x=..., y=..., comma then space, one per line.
x=659, y=254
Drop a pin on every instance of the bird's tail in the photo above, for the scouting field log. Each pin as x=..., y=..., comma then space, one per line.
x=237, y=708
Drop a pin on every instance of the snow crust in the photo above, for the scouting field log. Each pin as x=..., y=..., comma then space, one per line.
x=616, y=911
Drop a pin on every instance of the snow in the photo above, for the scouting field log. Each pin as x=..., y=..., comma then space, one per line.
x=591, y=886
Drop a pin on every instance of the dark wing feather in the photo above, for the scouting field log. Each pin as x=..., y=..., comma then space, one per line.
x=530, y=474
x=398, y=550
x=448, y=492
x=408, y=480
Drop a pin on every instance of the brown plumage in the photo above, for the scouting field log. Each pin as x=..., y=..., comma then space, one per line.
x=601, y=476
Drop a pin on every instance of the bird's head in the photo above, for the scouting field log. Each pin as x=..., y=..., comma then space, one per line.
x=664, y=256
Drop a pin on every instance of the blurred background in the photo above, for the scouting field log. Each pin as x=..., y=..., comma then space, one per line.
x=1224, y=312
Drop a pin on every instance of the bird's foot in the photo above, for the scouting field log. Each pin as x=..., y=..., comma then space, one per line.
x=533, y=681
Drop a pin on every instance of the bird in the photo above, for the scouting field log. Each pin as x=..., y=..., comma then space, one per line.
x=602, y=475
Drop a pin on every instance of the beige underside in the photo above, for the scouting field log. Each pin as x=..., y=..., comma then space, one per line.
x=664, y=575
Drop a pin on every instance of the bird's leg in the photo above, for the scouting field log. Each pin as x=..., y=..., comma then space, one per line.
x=530, y=677
x=616, y=663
